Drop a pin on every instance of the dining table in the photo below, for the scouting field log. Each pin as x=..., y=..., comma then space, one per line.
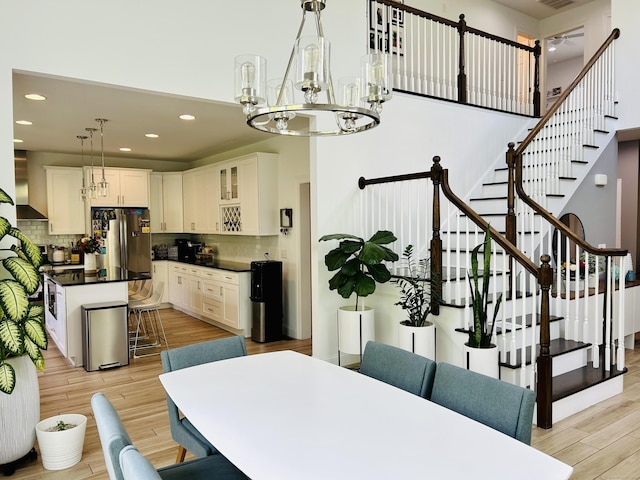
x=284, y=415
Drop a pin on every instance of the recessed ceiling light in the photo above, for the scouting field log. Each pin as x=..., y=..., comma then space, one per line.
x=186, y=116
x=151, y=135
x=35, y=96
x=17, y=140
x=125, y=149
x=24, y=122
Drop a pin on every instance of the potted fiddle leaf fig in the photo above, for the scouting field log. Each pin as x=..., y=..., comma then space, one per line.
x=359, y=265
x=22, y=339
x=416, y=333
x=479, y=343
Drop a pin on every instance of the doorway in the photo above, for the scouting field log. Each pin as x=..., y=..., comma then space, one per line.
x=563, y=55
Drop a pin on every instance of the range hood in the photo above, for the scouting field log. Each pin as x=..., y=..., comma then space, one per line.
x=24, y=211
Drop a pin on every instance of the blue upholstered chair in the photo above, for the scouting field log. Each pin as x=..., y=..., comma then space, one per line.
x=398, y=367
x=125, y=466
x=500, y=405
x=182, y=431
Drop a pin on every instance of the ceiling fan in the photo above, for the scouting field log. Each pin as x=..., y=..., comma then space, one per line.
x=554, y=42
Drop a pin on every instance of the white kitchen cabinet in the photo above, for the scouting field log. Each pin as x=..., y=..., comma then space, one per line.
x=65, y=207
x=220, y=297
x=128, y=187
x=200, y=193
x=161, y=274
x=250, y=205
x=166, y=203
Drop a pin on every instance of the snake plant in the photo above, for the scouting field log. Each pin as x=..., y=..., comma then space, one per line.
x=481, y=331
x=21, y=322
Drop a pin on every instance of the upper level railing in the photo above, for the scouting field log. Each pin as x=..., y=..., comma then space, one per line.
x=440, y=58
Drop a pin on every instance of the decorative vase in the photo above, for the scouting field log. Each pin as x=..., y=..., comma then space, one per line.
x=355, y=329
x=61, y=449
x=19, y=412
x=482, y=360
x=420, y=340
x=90, y=263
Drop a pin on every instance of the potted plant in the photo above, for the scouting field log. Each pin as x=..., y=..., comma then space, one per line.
x=89, y=247
x=22, y=339
x=359, y=266
x=61, y=439
x=416, y=333
x=480, y=354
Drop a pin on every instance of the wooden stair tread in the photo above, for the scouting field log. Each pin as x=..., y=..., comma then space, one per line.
x=582, y=378
x=557, y=347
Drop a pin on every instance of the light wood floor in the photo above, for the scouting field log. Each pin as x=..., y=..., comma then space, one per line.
x=602, y=442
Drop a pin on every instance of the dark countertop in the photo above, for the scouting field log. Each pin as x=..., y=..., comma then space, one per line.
x=219, y=264
x=77, y=276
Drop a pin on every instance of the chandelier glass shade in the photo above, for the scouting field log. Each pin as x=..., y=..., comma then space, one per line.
x=307, y=88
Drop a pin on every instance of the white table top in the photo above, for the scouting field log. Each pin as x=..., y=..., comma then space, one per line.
x=285, y=415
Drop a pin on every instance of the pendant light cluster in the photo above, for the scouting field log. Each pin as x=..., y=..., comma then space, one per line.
x=358, y=104
x=101, y=189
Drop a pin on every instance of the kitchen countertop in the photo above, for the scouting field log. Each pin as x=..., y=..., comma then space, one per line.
x=219, y=264
x=77, y=276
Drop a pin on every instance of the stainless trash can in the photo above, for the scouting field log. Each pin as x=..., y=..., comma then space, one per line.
x=105, y=335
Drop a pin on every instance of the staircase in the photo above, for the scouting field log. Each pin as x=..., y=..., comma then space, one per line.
x=557, y=335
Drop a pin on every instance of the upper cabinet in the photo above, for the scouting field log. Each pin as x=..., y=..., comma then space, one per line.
x=165, y=206
x=128, y=187
x=200, y=194
x=65, y=206
x=250, y=204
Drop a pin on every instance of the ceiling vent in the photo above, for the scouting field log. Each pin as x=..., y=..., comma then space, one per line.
x=557, y=4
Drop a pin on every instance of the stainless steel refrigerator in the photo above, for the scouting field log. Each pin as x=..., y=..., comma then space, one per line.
x=127, y=237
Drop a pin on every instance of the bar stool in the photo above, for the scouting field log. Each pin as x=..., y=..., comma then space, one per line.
x=149, y=331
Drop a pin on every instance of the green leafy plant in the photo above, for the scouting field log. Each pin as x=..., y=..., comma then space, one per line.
x=21, y=322
x=481, y=332
x=359, y=263
x=416, y=289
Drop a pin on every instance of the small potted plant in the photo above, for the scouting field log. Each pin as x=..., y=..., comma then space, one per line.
x=416, y=333
x=61, y=439
x=89, y=248
x=480, y=354
x=359, y=266
x=22, y=339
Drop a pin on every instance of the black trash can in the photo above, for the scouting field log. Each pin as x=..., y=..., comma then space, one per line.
x=266, y=295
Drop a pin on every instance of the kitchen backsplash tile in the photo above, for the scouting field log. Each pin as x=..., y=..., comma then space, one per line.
x=38, y=233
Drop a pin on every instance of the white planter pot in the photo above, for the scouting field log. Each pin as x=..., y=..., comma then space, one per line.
x=355, y=329
x=420, y=340
x=482, y=360
x=19, y=412
x=90, y=262
x=61, y=449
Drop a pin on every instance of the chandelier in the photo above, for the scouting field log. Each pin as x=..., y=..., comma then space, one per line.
x=357, y=106
x=84, y=191
x=93, y=189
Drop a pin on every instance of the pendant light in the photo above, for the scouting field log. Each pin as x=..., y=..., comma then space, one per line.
x=93, y=188
x=84, y=191
x=103, y=186
x=356, y=108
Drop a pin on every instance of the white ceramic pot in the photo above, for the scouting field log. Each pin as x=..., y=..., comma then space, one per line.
x=420, y=340
x=355, y=329
x=482, y=360
x=19, y=412
x=90, y=262
x=61, y=449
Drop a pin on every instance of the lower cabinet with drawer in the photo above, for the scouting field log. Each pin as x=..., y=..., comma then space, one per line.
x=219, y=297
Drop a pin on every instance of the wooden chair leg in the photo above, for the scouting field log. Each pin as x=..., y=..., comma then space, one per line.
x=181, y=454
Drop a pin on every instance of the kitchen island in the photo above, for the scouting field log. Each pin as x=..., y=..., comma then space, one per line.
x=64, y=294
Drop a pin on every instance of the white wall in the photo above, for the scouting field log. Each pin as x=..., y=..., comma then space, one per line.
x=624, y=15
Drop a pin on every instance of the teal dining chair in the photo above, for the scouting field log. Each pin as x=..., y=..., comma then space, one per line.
x=121, y=465
x=500, y=405
x=400, y=368
x=182, y=430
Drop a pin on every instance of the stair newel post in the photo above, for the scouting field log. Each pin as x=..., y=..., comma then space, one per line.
x=436, y=241
x=510, y=221
x=536, y=79
x=462, y=76
x=544, y=360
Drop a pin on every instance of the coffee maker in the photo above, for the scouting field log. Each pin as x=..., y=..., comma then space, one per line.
x=187, y=249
